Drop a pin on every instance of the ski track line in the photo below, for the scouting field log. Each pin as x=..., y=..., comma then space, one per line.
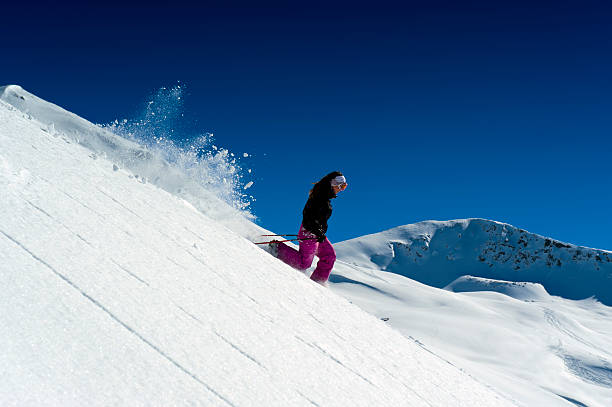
x=61, y=223
x=306, y=398
x=116, y=319
x=236, y=348
x=332, y=357
x=129, y=272
x=243, y=353
x=120, y=204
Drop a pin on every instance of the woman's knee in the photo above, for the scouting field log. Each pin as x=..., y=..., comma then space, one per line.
x=332, y=255
x=327, y=252
x=304, y=263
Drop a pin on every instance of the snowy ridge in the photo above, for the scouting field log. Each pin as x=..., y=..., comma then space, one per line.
x=143, y=164
x=119, y=293
x=437, y=253
x=519, y=290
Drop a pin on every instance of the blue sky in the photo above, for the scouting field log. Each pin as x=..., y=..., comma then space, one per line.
x=441, y=110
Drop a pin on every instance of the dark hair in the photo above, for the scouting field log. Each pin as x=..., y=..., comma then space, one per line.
x=324, y=184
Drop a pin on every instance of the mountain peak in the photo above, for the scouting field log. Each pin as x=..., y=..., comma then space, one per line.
x=438, y=252
x=11, y=88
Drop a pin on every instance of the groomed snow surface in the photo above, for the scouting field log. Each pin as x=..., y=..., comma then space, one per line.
x=117, y=292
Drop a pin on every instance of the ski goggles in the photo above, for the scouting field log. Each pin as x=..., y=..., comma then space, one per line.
x=339, y=182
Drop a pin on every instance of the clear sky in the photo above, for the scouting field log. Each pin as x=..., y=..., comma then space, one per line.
x=433, y=110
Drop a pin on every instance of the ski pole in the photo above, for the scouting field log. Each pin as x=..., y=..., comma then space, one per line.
x=279, y=235
x=288, y=240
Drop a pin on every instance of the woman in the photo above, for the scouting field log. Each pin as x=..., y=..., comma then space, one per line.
x=312, y=232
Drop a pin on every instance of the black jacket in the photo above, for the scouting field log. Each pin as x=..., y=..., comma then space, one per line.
x=318, y=209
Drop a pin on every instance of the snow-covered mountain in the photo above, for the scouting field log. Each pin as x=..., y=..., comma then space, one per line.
x=120, y=288
x=437, y=253
x=493, y=313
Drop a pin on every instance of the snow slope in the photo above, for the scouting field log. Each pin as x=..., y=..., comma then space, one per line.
x=491, y=318
x=117, y=292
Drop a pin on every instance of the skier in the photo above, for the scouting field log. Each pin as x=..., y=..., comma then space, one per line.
x=312, y=232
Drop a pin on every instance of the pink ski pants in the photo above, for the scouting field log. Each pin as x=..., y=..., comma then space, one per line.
x=303, y=258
